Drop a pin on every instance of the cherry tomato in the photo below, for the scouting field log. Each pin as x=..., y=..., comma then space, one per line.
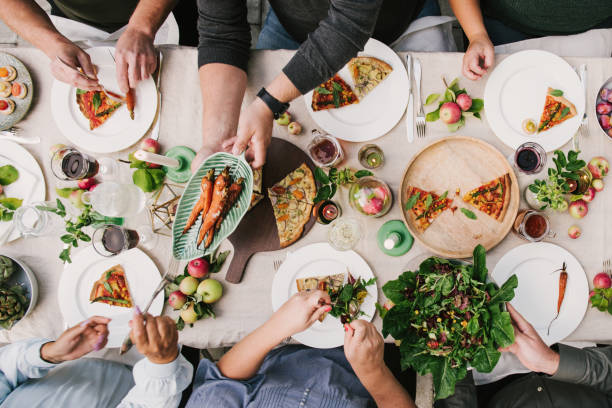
x=3, y=105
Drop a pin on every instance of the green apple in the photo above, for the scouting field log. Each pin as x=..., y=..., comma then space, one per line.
x=189, y=315
x=188, y=285
x=210, y=290
x=284, y=119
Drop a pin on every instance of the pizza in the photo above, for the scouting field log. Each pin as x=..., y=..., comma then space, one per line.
x=367, y=73
x=298, y=185
x=257, y=195
x=334, y=93
x=332, y=283
x=96, y=106
x=491, y=198
x=424, y=206
x=291, y=216
x=557, y=109
x=112, y=288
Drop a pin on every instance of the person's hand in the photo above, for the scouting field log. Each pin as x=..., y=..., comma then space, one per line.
x=154, y=337
x=364, y=347
x=299, y=313
x=77, y=341
x=135, y=58
x=529, y=347
x=478, y=57
x=207, y=149
x=75, y=57
x=254, y=132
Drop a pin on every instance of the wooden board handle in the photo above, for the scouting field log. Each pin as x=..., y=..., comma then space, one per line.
x=238, y=265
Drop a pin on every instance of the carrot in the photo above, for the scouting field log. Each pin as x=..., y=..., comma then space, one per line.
x=130, y=102
x=232, y=196
x=219, y=197
x=203, y=202
x=562, y=286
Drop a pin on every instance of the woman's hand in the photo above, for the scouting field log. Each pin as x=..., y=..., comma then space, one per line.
x=363, y=347
x=76, y=58
x=529, y=347
x=77, y=341
x=299, y=313
x=479, y=57
x=155, y=337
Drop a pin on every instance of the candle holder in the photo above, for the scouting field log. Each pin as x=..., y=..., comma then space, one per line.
x=163, y=208
x=371, y=156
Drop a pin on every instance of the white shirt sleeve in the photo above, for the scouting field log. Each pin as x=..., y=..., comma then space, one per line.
x=20, y=361
x=158, y=385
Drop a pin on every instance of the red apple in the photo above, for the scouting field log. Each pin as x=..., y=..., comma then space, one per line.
x=85, y=184
x=578, y=209
x=604, y=120
x=177, y=299
x=294, y=128
x=150, y=145
x=604, y=108
x=599, y=167
x=574, y=231
x=602, y=281
x=198, y=268
x=450, y=113
x=589, y=195
x=464, y=101
x=92, y=188
x=597, y=184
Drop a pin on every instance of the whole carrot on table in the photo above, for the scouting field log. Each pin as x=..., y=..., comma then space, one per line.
x=219, y=196
x=232, y=196
x=130, y=101
x=203, y=203
x=562, y=287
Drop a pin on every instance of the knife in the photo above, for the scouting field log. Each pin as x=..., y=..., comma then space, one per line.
x=410, y=107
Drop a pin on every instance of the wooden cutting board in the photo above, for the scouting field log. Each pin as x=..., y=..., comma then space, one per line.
x=465, y=163
x=257, y=230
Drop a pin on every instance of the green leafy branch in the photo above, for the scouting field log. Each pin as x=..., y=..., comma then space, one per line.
x=146, y=178
x=334, y=178
x=451, y=93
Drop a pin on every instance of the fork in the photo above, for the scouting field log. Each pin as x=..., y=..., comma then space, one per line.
x=420, y=117
x=12, y=134
x=583, y=130
x=607, y=267
x=277, y=264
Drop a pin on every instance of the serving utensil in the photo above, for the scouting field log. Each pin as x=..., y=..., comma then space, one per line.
x=410, y=107
x=172, y=269
x=583, y=130
x=420, y=118
x=115, y=97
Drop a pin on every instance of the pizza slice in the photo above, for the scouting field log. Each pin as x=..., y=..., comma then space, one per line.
x=334, y=93
x=557, y=109
x=491, y=198
x=424, y=206
x=112, y=288
x=257, y=195
x=331, y=283
x=96, y=106
x=291, y=217
x=367, y=73
x=298, y=185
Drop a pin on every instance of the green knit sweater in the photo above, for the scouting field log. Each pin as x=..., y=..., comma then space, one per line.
x=107, y=15
x=549, y=17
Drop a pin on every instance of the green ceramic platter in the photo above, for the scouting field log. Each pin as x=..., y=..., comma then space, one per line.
x=184, y=246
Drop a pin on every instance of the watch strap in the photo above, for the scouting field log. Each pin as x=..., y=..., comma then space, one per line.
x=277, y=107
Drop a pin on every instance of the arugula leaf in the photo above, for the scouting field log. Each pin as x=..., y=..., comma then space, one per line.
x=336, y=86
x=323, y=91
x=443, y=196
x=336, y=99
x=96, y=101
x=412, y=201
x=108, y=287
x=428, y=201
x=8, y=175
x=556, y=92
x=506, y=292
x=468, y=213
x=502, y=331
x=485, y=359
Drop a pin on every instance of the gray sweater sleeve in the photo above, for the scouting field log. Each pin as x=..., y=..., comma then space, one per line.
x=224, y=32
x=347, y=27
x=591, y=366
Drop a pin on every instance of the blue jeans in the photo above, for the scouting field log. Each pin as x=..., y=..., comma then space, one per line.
x=273, y=35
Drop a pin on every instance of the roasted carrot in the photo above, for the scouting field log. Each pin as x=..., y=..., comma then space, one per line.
x=219, y=197
x=130, y=101
x=203, y=202
x=562, y=287
x=232, y=196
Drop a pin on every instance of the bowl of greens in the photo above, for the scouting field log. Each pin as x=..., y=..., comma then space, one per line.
x=447, y=317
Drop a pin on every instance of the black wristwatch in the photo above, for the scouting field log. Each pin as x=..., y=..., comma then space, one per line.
x=277, y=107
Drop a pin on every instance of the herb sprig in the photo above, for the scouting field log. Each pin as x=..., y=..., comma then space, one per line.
x=334, y=178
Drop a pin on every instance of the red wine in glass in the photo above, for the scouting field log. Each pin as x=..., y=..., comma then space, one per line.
x=111, y=240
x=70, y=164
x=530, y=158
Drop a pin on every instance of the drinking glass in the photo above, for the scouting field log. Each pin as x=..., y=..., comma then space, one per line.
x=532, y=225
x=69, y=164
x=530, y=158
x=33, y=221
x=324, y=149
x=344, y=233
x=116, y=200
x=110, y=240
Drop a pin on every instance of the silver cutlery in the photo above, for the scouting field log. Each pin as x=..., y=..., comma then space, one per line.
x=277, y=264
x=607, y=266
x=583, y=130
x=12, y=135
x=410, y=107
x=110, y=94
x=420, y=118
x=166, y=279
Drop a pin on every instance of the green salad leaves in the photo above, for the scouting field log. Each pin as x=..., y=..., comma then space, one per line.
x=447, y=316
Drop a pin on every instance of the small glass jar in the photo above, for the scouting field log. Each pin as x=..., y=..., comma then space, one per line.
x=344, y=233
x=325, y=150
x=370, y=196
x=371, y=156
x=326, y=211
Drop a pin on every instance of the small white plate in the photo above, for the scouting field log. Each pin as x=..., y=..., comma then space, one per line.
x=30, y=186
x=538, y=287
x=87, y=267
x=119, y=131
x=378, y=112
x=322, y=260
x=516, y=90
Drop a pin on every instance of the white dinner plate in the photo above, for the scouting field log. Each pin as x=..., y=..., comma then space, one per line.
x=538, y=288
x=322, y=260
x=516, y=90
x=119, y=131
x=30, y=186
x=87, y=267
x=378, y=112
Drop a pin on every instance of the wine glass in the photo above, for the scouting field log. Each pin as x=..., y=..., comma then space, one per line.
x=70, y=164
x=110, y=240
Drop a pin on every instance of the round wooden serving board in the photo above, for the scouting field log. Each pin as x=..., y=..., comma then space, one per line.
x=465, y=163
x=257, y=230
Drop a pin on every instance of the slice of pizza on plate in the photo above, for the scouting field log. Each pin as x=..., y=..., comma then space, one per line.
x=291, y=217
x=329, y=283
x=424, y=206
x=491, y=198
x=112, y=288
x=298, y=185
x=96, y=106
x=557, y=109
x=367, y=73
x=334, y=93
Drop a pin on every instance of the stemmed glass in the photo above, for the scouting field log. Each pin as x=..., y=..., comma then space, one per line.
x=69, y=164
